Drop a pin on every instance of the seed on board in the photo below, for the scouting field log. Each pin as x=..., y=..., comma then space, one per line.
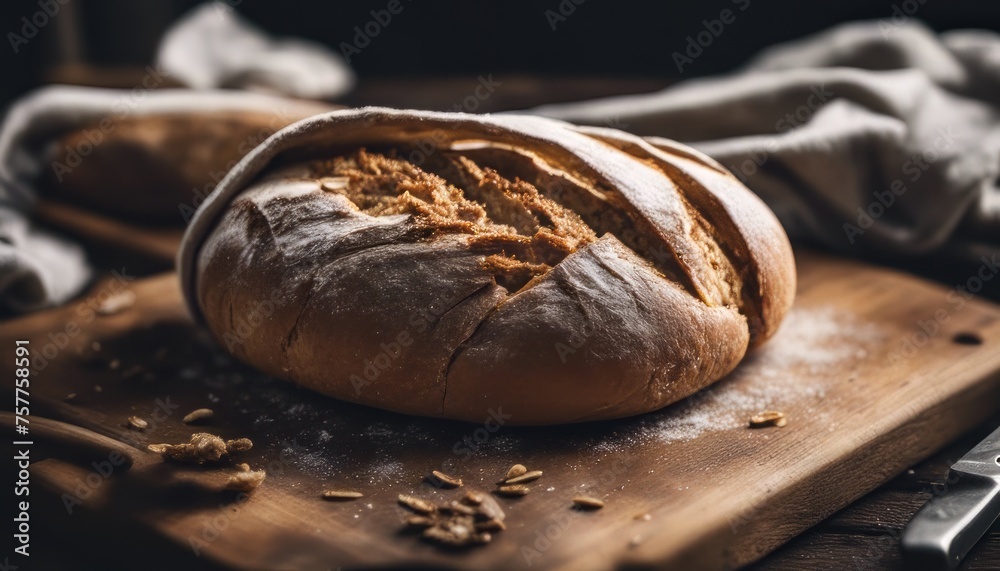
x=490, y=525
x=455, y=524
x=514, y=491
x=116, y=303
x=419, y=521
x=489, y=509
x=438, y=477
x=340, y=495
x=457, y=533
x=472, y=498
x=136, y=423
x=515, y=471
x=239, y=445
x=524, y=478
x=587, y=503
x=460, y=508
x=70, y=397
x=439, y=535
x=455, y=536
x=416, y=504
x=768, y=418
x=197, y=415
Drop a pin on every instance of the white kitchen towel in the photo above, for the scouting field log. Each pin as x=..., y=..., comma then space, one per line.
x=38, y=269
x=875, y=135
x=213, y=47
x=208, y=48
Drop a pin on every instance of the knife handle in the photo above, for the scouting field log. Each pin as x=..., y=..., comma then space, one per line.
x=948, y=526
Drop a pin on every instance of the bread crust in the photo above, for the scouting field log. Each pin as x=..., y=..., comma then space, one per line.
x=646, y=275
x=149, y=167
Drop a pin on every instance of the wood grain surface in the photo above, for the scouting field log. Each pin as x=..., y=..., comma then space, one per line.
x=869, y=385
x=865, y=535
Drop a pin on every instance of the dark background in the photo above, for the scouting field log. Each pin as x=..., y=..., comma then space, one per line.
x=468, y=38
x=432, y=52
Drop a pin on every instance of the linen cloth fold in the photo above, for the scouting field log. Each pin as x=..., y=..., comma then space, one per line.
x=38, y=269
x=213, y=47
x=869, y=135
x=209, y=48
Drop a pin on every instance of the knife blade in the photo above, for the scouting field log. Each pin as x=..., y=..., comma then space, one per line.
x=949, y=525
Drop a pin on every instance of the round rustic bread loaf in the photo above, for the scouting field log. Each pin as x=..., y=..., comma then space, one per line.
x=451, y=265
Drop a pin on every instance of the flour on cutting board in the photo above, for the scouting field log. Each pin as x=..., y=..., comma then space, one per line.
x=792, y=373
x=792, y=369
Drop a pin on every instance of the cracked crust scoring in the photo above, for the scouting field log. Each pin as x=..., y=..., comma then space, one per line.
x=579, y=274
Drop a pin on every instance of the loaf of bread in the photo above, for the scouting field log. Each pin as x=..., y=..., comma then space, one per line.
x=157, y=167
x=455, y=265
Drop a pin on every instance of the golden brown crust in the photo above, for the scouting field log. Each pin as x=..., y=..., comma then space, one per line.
x=523, y=266
x=741, y=225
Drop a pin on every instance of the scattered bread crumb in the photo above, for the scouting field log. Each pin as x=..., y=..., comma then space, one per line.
x=464, y=523
x=246, y=481
x=203, y=447
x=197, y=415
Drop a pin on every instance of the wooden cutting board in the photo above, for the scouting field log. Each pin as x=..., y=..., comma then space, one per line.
x=874, y=370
